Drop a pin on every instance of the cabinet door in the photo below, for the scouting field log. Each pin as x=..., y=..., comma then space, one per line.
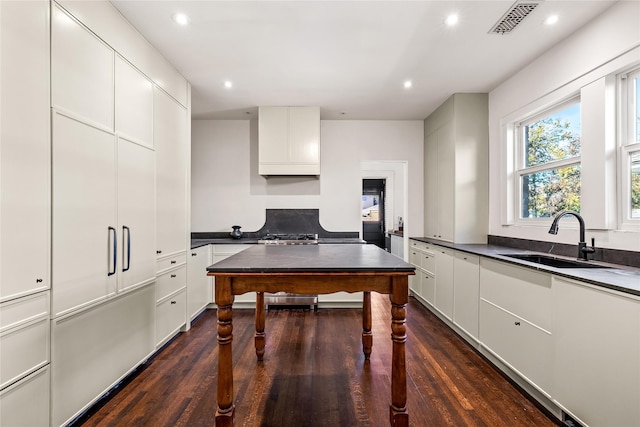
x=170, y=140
x=597, y=348
x=84, y=209
x=81, y=70
x=273, y=130
x=446, y=182
x=136, y=214
x=25, y=153
x=26, y=403
x=431, y=185
x=199, y=285
x=466, y=292
x=304, y=134
x=444, y=282
x=134, y=104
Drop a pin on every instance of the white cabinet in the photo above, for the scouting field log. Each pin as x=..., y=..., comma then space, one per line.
x=25, y=160
x=103, y=238
x=456, y=175
x=92, y=350
x=82, y=65
x=199, y=285
x=170, y=130
x=171, y=298
x=466, y=292
x=220, y=252
x=422, y=256
x=597, y=348
x=397, y=246
x=84, y=214
x=444, y=282
x=516, y=320
x=26, y=403
x=134, y=104
x=289, y=140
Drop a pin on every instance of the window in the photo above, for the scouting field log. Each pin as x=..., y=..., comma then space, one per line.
x=548, y=162
x=631, y=147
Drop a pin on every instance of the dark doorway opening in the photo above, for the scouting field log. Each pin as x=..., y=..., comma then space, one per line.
x=373, y=211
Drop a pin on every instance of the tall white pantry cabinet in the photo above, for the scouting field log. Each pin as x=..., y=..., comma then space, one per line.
x=86, y=187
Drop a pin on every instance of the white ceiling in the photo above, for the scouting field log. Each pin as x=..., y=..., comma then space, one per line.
x=351, y=58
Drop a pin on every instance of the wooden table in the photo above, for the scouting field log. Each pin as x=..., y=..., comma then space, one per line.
x=312, y=269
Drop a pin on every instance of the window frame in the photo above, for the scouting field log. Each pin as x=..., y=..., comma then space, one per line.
x=519, y=152
x=628, y=144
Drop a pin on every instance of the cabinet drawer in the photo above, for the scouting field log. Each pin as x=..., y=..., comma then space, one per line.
x=525, y=347
x=229, y=249
x=415, y=257
x=421, y=246
x=428, y=262
x=26, y=403
x=521, y=291
x=23, y=310
x=170, y=316
x=170, y=282
x=23, y=350
x=170, y=262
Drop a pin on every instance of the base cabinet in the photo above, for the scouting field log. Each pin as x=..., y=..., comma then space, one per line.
x=94, y=349
x=597, y=364
x=444, y=282
x=171, y=299
x=220, y=252
x=199, y=285
x=26, y=403
x=466, y=292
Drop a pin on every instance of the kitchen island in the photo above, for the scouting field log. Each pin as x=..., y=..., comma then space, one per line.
x=310, y=269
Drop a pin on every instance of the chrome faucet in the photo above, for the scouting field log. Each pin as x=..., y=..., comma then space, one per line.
x=583, y=249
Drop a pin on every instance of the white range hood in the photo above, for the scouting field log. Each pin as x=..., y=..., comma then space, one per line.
x=289, y=140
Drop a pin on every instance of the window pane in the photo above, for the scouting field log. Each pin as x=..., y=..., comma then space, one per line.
x=546, y=193
x=555, y=137
x=635, y=184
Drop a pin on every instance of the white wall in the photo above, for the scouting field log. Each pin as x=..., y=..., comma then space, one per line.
x=226, y=189
x=608, y=44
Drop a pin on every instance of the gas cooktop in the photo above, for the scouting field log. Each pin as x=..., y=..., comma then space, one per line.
x=289, y=239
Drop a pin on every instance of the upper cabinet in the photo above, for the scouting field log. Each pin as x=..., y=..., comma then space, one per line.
x=289, y=140
x=134, y=104
x=456, y=169
x=82, y=71
x=25, y=155
x=171, y=139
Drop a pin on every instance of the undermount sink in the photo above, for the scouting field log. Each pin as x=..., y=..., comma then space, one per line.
x=553, y=261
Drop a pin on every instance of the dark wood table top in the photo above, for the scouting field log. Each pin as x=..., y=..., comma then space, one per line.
x=311, y=259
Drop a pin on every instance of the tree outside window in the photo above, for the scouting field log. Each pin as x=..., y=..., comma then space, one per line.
x=550, y=159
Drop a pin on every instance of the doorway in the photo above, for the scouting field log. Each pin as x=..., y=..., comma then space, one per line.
x=373, y=212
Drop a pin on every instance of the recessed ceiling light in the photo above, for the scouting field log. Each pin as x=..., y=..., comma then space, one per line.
x=551, y=20
x=180, y=18
x=228, y=84
x=407, y=84
x=451, y=20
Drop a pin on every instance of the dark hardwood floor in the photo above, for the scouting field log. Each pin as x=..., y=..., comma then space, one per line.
x=314, y=374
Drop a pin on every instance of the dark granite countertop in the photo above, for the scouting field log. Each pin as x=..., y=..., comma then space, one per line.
x=196, y=243
x=311, y=258
x=617, y=277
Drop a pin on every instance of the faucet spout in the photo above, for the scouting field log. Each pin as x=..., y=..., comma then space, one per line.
x=582, y=245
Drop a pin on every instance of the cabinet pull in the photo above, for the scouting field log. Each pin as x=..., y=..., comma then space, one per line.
x=173, y=276
x=112, y=232
x=173, y=302
x=158, y=252
x=38, y=280
x=173, y=261
x=126, y=234
x=517, y=323
x=194, y=254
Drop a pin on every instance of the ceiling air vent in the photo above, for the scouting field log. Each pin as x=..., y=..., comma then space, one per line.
x=513, y=17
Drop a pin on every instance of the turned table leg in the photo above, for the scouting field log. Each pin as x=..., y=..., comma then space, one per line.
x=399, y=297
x=224, y=301
x=367, y=336
x=260, y=335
